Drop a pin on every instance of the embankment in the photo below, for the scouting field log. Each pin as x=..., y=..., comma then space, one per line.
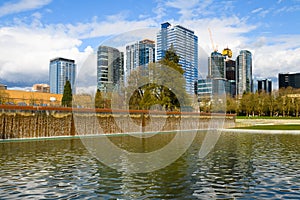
x=37, y=122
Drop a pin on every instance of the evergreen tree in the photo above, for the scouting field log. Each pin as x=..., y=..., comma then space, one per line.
x=67, y=95
x=99, y=102
x=171, y=59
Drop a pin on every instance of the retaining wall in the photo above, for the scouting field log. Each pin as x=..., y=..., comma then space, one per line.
x=35, y=123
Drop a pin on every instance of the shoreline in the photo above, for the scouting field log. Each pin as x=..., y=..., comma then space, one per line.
x=93, y=135
x=226, y=130
x=261, y=131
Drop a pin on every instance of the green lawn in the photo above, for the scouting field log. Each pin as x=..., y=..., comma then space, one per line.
x=273, y=127
x=265, y=117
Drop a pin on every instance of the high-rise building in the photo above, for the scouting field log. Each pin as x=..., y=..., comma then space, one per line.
x=264, y=85
x=244, y=72
x=289, y=80
x=230, y=70
x=216, y=66
x=61, y=70
x=216, y=72
x=204, y=89
x=185, y=43
x=139, y=54
x=110, y=68
x=231, y=77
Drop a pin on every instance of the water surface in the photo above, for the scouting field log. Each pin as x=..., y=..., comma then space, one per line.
x=241, y=166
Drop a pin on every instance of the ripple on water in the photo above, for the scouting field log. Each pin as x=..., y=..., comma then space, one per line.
x=241, y=166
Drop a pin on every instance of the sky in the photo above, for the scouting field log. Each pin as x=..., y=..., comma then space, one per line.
x=34, y=31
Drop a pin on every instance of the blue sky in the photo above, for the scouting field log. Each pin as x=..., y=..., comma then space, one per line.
x=34, y=31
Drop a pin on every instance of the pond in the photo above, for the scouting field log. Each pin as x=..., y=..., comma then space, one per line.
x=240, y=166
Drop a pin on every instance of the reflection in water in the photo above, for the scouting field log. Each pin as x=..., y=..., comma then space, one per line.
x=241, y=166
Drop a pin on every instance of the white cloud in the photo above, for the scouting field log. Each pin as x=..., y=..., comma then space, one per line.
x=22, y=5
x=159, y=10
x=288, y=9
x=189, y=9
x=256, y=10
x=25, y=52
x=279, y=55
x=26, y=49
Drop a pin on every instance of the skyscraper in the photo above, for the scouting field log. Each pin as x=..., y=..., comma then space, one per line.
x=140, y=53
x=244, y=72
x=230, y=69
x=264, y=85
x=185, y=43
x=231, y=77
x=289, y=79
x=204, y=89
x=61, y=70
x=110, y=68
x=216, y=72
x=216, y=66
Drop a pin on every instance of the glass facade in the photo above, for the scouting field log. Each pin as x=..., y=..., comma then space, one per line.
x=231, y=77
x=216, y=66
x=139, y=54
x=244, y=72
x=110, y=68
x=61, y=70
x=289, y=80
x=217, y=72
x=264, y=85
x=185, y=43
x=204, y=88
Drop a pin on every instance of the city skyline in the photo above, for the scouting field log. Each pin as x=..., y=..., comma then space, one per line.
x=39, y=30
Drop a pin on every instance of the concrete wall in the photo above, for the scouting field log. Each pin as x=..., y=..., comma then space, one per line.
x=36, y=124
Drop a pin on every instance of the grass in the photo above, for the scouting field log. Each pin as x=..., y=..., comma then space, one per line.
x=273, y=127
x=265, y=117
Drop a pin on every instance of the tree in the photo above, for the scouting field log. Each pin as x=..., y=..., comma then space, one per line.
x=99, y=102
x=297, y=106
x=171, y=59
x=270, y=104
x=153, y=86
x=231, y=105
x=4, y=96
x=67, y=95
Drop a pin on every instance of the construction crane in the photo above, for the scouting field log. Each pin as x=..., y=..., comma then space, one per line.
x=215, y=48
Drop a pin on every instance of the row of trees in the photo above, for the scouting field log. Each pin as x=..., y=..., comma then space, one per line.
x=283, y=102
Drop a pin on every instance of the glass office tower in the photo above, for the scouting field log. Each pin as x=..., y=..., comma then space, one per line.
x=244, y=72
x=264, y=85
x=110, y=68
x=185, y=43
x=216, y=66
x=289, y=80
x=139, y=54
x=61, y=70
